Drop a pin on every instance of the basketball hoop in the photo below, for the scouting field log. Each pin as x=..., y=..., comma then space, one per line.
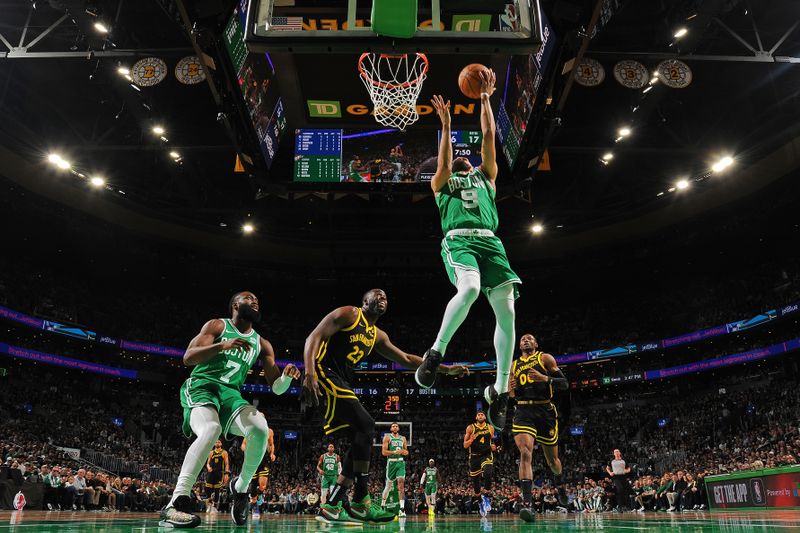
x=394, y=83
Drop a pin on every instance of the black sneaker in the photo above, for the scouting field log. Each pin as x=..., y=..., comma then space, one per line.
x=240, y=508
x=498, y=407
x=563, y=500
x=527, y=514
x=174, y=515
x=183, y=504
x=425, y=376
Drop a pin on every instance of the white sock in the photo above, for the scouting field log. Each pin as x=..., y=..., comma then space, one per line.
x=251, y=425
x=204, y=422
x=502, y=302
x=402, y=505
x=468, y=287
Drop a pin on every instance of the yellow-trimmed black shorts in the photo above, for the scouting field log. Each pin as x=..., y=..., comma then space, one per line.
x=342, y=408
x=539, y=420
x=214, y=479
x=477, y=461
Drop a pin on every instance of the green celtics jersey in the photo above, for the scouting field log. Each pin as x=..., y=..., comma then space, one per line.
x=430, y=476
x=230, y=366
x=395, y=443
x=467, y=201
x=329, y=465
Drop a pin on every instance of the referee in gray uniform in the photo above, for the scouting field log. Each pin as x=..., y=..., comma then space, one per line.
x=619, y=475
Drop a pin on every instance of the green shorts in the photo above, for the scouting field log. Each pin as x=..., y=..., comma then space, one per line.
x=430, y=488
x=200, y=391
x=485, y=255
x=328, y=482
x=395, y=469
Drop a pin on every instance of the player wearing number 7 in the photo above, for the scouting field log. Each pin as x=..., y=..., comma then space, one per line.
x=222, y=354
x=473, y=256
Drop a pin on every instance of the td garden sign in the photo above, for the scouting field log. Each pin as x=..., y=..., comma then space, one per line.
x=335, y=109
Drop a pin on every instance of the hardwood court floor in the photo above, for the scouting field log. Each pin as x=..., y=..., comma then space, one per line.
x=730, y=521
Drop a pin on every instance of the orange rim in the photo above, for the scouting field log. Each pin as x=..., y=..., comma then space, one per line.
x=383, y=85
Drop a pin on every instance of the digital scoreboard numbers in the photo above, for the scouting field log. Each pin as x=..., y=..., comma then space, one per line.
x=391, y=406
x=466, y=143
x=318, y=155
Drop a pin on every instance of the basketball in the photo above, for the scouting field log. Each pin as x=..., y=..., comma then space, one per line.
x=469, y=80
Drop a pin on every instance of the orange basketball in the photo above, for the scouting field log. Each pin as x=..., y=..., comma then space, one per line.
x=469, y=80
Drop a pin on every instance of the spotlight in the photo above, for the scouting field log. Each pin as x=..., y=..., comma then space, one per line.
x=158, y=130
x=125, y=71
x=174, y=155
x=647, y=89
x=54, y=158
x=653, y=80
x=624, y=132
x=660, y=194
x=671, y=189
x=537, y=228
x=680, y=33
x=99, y=26
x=682, y=184
x=722, y=164
x=248, y=228
x=608, y=156
x=63, y=165
x=97, y=181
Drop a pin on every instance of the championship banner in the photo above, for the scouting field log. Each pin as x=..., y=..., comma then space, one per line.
x=770, y=488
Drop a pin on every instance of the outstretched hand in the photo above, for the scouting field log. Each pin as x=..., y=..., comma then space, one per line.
x=488, y=80
x=442, y=109
x=456, y=370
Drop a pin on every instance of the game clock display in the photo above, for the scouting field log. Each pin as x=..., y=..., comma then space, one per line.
x=391, y=406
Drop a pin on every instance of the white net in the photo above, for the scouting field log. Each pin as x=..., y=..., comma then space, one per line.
x=394, y=83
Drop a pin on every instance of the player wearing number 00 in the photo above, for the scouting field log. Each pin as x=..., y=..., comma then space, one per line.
x=222, y=354
x=473, y=256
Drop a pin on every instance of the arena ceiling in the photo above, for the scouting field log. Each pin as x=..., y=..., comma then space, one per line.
x=60, y=90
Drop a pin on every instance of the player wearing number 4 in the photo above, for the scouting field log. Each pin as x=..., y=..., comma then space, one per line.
x=473, y=256
x=222, y=354
x=341, y=341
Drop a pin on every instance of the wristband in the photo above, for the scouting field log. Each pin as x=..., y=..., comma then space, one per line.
x=281, y=385
x=486, y=94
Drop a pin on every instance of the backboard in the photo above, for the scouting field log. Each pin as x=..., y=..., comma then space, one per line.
x=444, y=26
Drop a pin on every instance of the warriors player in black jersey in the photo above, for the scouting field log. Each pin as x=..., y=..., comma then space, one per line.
x=219, y=468
x=534, y=377
x=342, y=340
x=479, y=440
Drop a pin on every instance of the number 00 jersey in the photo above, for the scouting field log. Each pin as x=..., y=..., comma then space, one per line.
x=338, y=355
x=230, y=367
x=467, y=201
x=525, y=388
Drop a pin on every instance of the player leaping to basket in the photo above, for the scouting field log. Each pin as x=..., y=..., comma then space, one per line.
x=473, y=256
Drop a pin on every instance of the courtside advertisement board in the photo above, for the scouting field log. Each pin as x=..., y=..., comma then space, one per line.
x=774, y=488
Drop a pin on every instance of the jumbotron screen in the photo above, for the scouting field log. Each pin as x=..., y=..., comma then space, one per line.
x=377, y=156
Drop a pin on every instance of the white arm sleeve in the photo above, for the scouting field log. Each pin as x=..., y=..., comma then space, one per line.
x=281, y=385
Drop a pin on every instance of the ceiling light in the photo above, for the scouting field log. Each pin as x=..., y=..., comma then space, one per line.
x=99, y=26
x=653, y=80
x=537, y=228
x=660, y=194
x=248, y=228
x=174, y=155
x=624, y=132
x=158, y=130
x=123, y=70
x=682, y=184
x=608, y=156
x=722, y=164
x=671, y=189
x=647, y=89
x=54, y=158
x=97, y=181
x=680, y=33
x=62, y=164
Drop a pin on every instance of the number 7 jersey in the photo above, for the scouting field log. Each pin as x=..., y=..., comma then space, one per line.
x=230, y=367
x=467, y=201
